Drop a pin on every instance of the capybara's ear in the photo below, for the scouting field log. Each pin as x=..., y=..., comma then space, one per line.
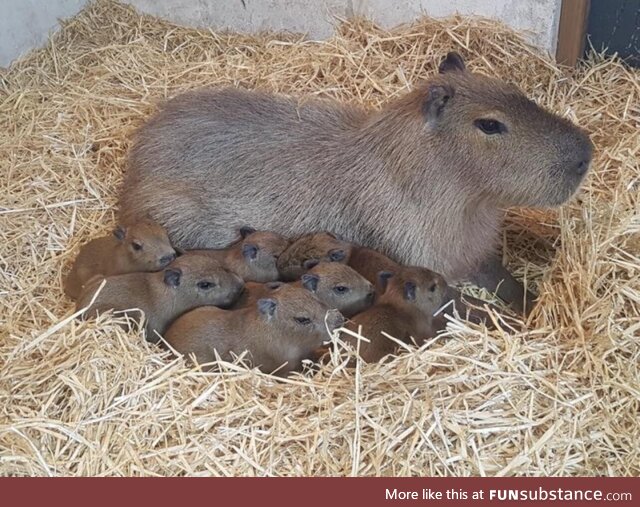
x=435, y=101
x=410, y=291
x=249, y=251
x=119, y=232
x=267, y=307
x=310, y=281
x=245, y=231
x=337, y=255
x=310, y=263
x=383, y=278
x=172, y=277
x=453, y=62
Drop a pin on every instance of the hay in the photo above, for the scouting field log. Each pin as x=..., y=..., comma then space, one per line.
x=561, y=397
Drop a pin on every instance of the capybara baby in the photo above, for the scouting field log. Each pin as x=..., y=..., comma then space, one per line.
x=340, y=287
x=334, y=284
x=310, y=249
x=424, y=180
x=254, y=257
x=142, y=246
x=253, y=291
x=189, y=282
x=278, y=332
x=405, y=310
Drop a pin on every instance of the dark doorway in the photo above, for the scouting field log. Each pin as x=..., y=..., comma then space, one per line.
x=615, y=25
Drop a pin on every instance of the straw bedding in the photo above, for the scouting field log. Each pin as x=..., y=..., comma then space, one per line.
x=556, y=395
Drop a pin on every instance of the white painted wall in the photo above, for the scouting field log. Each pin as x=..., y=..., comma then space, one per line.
x=314, y=17
x=26, y=24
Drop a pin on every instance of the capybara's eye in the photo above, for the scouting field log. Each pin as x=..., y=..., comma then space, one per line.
x=206, y=285
x=490, y=127
x=303, y=321
x=340, y=289
x=136, y=245
x=433, y=287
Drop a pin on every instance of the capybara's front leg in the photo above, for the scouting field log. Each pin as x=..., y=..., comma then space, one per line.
x=494, y=277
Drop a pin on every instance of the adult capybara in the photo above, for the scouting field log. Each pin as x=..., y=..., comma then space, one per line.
x=424, y=180
x=189, y=282
x=278, y=332
x=142, y=246
x=254, y=257
x=405, y=310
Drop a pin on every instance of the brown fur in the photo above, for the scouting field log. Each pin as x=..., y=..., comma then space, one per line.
x=398, y=315
x=369, y=263
x=334, y=284
x=312, y=248
x=165, y=295
x=418, y=180
x=254, y=291
x=254, y=257
x=275, y=341
x=118, y=254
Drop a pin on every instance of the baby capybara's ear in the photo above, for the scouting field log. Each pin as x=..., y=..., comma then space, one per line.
x=249, y=251
x=310, y=263
x=453, y=62
x=310, y=281
x=246, y=231
x=267, y=307
x=120, y=232
x=172, y=277
x=383, y=279
x=337, y=255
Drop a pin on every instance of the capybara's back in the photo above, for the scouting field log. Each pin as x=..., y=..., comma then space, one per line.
x=212, y=161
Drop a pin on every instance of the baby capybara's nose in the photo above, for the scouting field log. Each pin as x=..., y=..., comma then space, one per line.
x=167, y=259
x=335, y=320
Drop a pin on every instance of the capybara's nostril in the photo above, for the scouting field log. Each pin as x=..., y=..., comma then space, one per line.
x=167, y=259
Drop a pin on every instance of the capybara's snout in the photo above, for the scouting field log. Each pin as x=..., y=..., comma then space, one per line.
x=335, y=320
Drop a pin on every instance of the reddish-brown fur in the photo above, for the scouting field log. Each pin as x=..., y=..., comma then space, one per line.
x=254, y=257
x=334, y=284
x=189, y=282
x=310, y=249
x=405, y=311
x=272, y=331
x=142, y=246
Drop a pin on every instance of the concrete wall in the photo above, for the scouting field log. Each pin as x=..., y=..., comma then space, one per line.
x=26, y=24
x=314, y=17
